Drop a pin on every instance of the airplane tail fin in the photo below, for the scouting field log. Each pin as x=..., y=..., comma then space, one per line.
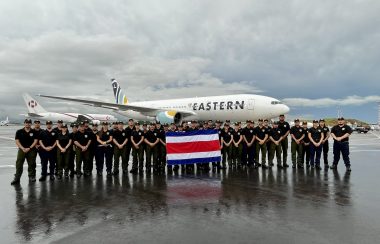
x=119, y=94
x=7, y=119
x=32, y=105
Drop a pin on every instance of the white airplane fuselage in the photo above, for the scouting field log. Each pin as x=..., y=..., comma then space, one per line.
x=230, y=107
x=70, y=117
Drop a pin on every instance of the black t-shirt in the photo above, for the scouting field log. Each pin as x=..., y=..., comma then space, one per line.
x=316, y=133
x=297, y=132
x=325, y=130
x=83, y=138
x=64, y=139
x=151, y=136
x=26, y=138
x=37, y=133
x=136, y=135
x=162, y=135
x=339, y=131
x=261, y=132
x=121, y=135
x=306, y=138
x=236, y=134
x=276, y=133
x=129, y=131
x=104, y=135
x=226, y=135
x=249, y=133
x=48, y=138
x=284, y=126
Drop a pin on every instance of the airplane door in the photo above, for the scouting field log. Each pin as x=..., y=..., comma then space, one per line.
x=251, y=104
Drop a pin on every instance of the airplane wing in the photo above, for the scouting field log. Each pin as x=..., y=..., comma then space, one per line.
x=143, y=110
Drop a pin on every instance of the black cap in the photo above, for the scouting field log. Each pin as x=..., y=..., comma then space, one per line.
x=130, y=120
x=260, y=120
x=64, y=126
x=193, y=121
x=73, y=125
x=237, y=123
x=48, y=122
x=28, y=121
x=137, y=123
x=145, y=124
x=120, y=122
x=281, y=115
x=340, y=118
x=248, y=121
x=152, y=123
x=266, y=120
x=82, y=123
x=315, y=121
x=218, y=121
x=104, y=123
x=304, y=122
x=37, y=121
x=86, y=121
x=275, y=123
x=322, y=120
x=296, y=120
x=60, y=121
x=158, y=123
x=166, y=125
x=210, y=120
x=228, y=121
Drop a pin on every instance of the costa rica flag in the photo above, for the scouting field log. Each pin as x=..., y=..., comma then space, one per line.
x=198, y=146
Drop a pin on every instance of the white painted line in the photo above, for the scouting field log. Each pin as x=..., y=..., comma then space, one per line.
x=374, y=134
x=369, y=150
x=7, y=138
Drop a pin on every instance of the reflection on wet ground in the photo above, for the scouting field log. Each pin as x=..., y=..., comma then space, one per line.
x=236, y=206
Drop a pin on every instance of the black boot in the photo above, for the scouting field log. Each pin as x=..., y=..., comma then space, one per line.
x=15, y=181
x=42, y=178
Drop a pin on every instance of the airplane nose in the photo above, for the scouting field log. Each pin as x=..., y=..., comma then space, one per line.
x=286, y=109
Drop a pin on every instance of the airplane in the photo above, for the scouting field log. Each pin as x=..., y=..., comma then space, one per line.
x=36, y=111
x=4, y=122
x=240, y=107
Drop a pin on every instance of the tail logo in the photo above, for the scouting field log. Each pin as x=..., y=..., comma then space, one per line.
x=32, y=104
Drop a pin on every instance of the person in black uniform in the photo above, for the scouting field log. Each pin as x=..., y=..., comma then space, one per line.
x=64, y=143
x=37, y=131
x=193, y=127
x=237, y=145
x=261, y=139
x=82, y=141
x=158, y=130
x=226, y=146
x=316, y=137
x=120, y=140
x=305, y=145
x=268, y=142
x=162, y=143
x=128, y=148
x=151, y=139
x=58, y=129
x=249, y=148
x=74, y=130
x=48, y=143
x=325, y=142
x=93, y=146
x=104, y=150
x=285, y=128
x=297, y=134
x=341, y=133
x=26, y=141
x=137, y=139
x=275, y=146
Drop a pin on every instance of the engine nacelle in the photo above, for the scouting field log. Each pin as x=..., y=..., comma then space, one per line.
x=169, y=117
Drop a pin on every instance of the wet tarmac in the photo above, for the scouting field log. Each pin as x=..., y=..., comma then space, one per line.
x=236, y=206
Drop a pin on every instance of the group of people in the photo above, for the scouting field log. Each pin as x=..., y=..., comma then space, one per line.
x=72, y=153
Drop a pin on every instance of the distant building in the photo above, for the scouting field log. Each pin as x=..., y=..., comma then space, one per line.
x=378, y=118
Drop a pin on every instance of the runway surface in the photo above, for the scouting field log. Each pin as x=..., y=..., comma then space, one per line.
x=235, y=206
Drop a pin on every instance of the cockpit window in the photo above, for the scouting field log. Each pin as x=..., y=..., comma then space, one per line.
x=276, y=102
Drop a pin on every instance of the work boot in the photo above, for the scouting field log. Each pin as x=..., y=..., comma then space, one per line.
x=286, y=165
x=15, y=181
x=348, y=168
x=333, y=166
x=32, y=179
x=42, y=178
x=52, y=178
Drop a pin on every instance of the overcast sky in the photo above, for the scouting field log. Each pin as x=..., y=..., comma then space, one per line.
x=317, y=56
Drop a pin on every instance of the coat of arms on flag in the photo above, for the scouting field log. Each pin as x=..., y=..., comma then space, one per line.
x=198, y=146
